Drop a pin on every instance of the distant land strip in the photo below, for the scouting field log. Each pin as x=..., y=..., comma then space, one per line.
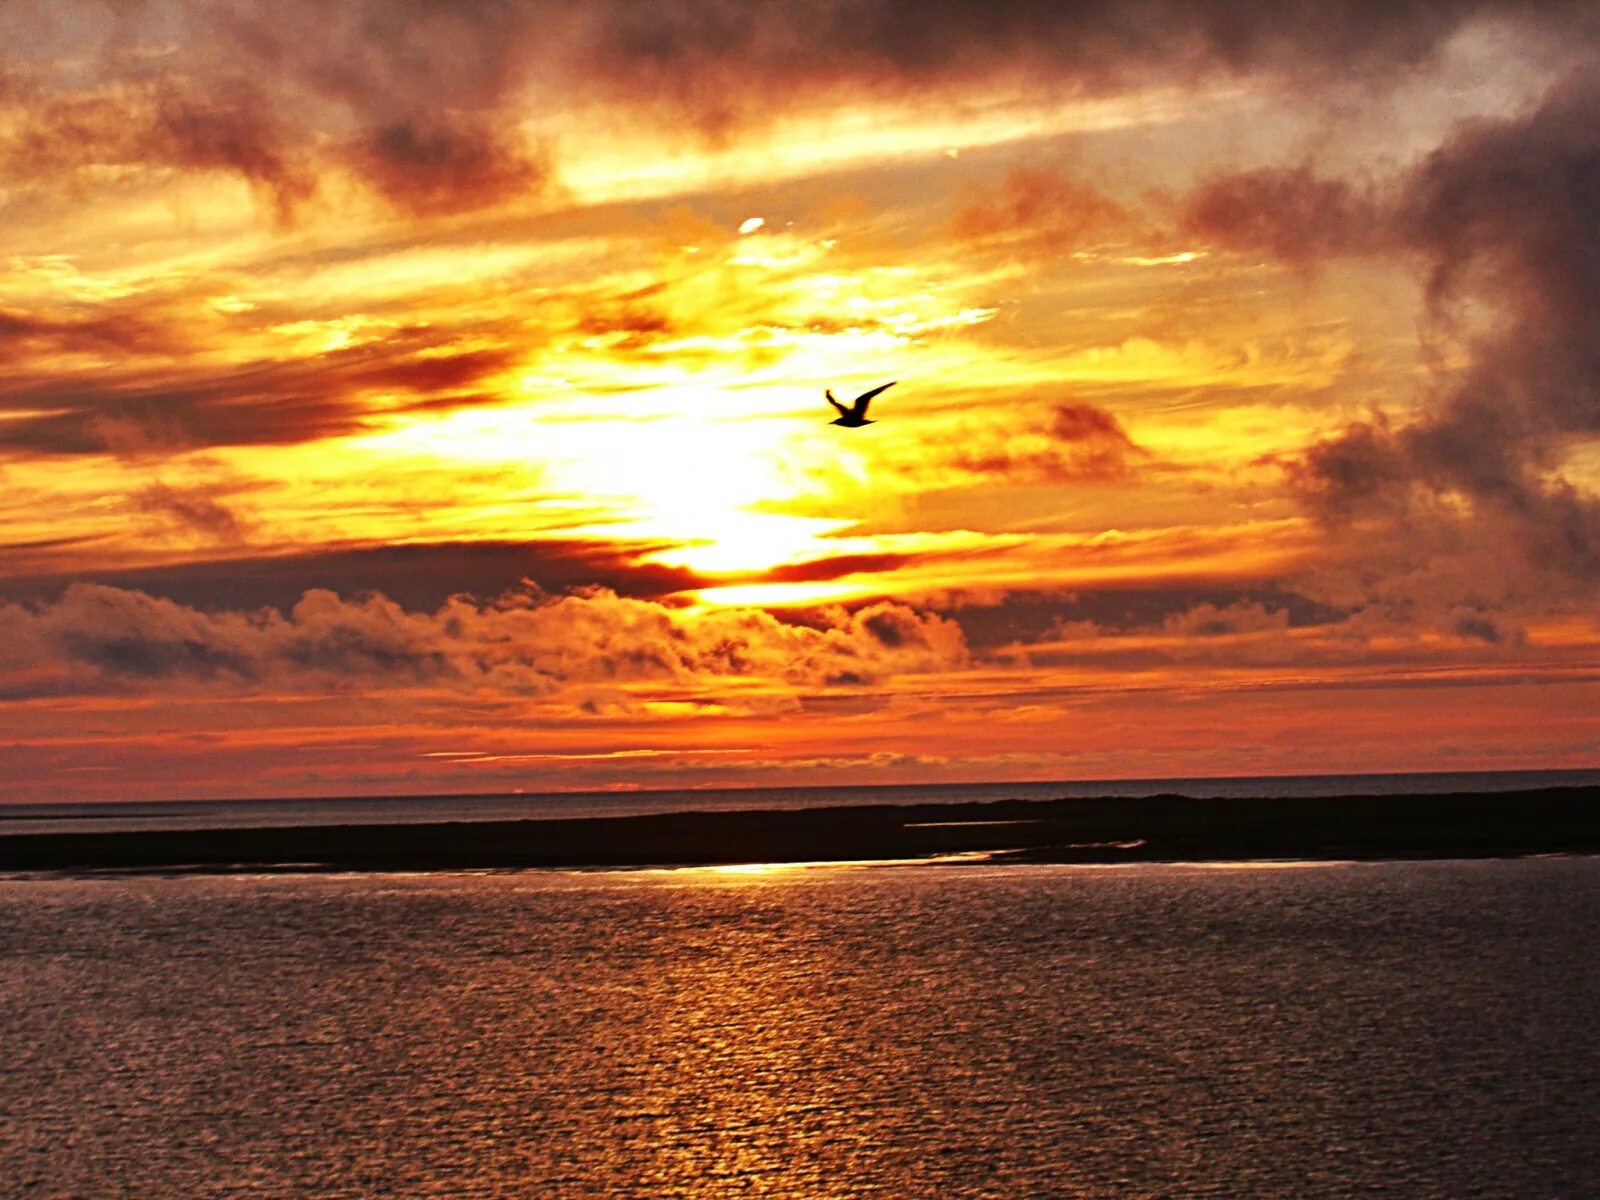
x=1162, y=828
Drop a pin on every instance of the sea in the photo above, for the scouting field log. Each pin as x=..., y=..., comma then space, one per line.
x=82, y=817
x=1244, y=1030
x=802, y=1032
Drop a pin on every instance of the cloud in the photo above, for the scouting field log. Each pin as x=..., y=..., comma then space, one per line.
x=698, y=48
x=1502, y=216
x=1291, y=214
x=1472, y=623
x=427, y=102
x=1047, y=210
x=96, y=332
x=223, y=125
x=832, y=567
x=1074, y=442
x=159, y=407
x=199, y=508
x=421, y=162
x=1007, y=620
x=1210, y=620
x=418, y=576
x=97, y=639
x=1506, y=212
x=430, y=91
x=433, y=373
x=134, y=417
x=440, y=167
x=1371, y=640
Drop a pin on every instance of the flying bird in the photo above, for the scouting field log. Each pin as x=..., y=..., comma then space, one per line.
x=856, y=415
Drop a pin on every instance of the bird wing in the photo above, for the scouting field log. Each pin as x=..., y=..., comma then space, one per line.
x=860, y=406
x=843, y=411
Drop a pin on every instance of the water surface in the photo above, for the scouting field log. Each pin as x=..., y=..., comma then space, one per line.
x=1391, y=1029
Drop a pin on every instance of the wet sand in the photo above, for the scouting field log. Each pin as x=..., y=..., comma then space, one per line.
x=1164, y=828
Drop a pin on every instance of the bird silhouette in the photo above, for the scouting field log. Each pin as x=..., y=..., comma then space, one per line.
x=856, y=415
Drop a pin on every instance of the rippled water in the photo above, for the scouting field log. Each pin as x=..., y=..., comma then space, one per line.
x=1401, y=1030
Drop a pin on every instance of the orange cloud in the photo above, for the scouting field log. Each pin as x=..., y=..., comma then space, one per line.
x=144, y=125
x=1140, y=490
x=1046, y=210
x=1293, y=215
x=1078, y=442
x=100, y=639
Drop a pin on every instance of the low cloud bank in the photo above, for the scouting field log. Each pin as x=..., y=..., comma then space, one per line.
x=97, y=639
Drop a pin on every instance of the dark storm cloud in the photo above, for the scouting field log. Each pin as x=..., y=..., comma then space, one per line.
x=230, y=129
x=1485, y=628
x=1509, y=210
x=228, y=116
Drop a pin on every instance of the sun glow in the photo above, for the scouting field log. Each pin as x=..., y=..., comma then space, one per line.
x=712, y=487
x=708, y=482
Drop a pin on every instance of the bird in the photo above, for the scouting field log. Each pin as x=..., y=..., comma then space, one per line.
x=856, y=415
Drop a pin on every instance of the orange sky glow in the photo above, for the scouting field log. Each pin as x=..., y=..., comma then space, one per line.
x=429, y=397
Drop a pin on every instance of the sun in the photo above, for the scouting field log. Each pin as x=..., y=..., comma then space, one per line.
x=714, y=488
x=724, y=477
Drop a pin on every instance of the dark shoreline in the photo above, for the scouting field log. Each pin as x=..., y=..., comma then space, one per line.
x=1163, y=828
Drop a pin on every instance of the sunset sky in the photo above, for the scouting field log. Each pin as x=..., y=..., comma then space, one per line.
x=427, y=397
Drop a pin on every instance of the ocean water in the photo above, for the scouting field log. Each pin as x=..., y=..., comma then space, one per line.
x=215, y=814
x=1386, y=1029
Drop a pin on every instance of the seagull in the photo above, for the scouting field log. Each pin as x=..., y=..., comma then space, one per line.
x=856, y=415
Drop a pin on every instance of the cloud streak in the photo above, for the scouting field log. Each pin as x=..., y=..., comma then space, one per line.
x=419, y=576
x=161, y=408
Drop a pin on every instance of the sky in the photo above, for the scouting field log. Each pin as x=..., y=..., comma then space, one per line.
x=404, y=396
